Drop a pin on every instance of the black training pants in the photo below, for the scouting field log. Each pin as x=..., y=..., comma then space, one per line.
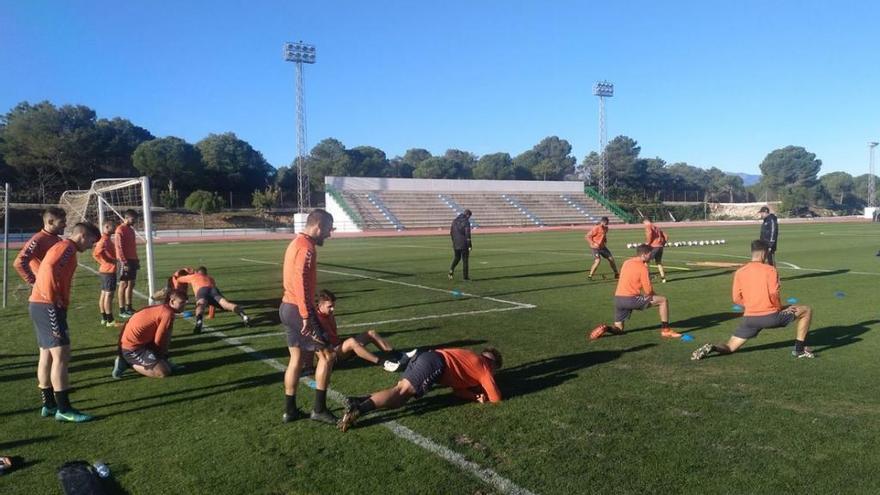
x=461, y=254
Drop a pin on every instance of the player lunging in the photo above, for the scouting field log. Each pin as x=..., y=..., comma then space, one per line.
x=598, y=237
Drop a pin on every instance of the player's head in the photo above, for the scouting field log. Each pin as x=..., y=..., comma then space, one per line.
x=130, y=216
x=202, y=270
x=108, y=226
x=319, y=225
x=467, y=213
x=763, y=212
x=176, y=299
x=492, y=355
x=759, y=250
x=603, y=221
x=326, y=302
x=54, y=220
x=84, y=236
x=647, y=221
x=643, y=251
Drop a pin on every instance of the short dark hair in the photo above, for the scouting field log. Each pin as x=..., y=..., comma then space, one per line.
x=759, y=245
x=496, y=356
x=764, y=209
x=130, y=213
x=643, y=249
x=467, y=213
x=54, y=212
x=317, y=216
x=202, y=270
x=87, y=229
x=108, y=221
x=177, y=293
x=326, y=295
x=603, y=220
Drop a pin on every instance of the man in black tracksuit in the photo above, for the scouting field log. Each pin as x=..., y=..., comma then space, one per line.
x=769, y=233
x=460, y=231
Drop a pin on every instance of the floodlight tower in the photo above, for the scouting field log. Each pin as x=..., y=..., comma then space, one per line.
x=300, y=53
x=872, y=187
x=603, y=89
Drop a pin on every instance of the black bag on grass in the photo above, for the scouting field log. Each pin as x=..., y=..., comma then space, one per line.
x=80, y=478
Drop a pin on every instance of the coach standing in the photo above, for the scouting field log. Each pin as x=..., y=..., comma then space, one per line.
x=460, y=231
x=769, y=233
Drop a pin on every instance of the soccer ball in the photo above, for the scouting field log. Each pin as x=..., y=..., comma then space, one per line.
x=702, y=243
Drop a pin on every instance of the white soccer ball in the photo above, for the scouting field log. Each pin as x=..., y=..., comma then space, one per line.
x=629, y=245
x=702, y=243
x=723, y=241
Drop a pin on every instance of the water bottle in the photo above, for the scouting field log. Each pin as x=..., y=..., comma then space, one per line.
x=102, y=469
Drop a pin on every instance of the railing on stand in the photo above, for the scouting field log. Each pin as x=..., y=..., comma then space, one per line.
x=607, y=203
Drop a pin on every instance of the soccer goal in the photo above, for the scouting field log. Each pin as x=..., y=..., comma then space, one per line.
x=109, y=198
x=4, y=216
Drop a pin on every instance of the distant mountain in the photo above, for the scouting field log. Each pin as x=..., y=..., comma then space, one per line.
x=748, y=179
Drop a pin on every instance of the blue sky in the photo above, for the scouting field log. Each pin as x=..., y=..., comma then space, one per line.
x=711, y=83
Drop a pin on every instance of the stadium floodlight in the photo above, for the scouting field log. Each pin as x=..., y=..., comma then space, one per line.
x=872, y=187
x=602, y=89
x=300, y=53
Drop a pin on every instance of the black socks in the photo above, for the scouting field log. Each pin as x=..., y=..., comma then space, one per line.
x=799, y=346
x=48, y=397
x=290, y=404
x=366, y=406
x=320, y=400
x=63, y=400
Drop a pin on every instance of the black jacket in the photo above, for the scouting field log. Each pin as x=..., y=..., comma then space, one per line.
x=770, y=230
x=460, y=231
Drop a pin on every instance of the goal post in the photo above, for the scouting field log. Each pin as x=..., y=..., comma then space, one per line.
x=109, y=198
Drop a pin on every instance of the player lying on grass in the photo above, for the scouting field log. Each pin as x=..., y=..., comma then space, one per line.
x=470, y=375
x=598, y=237
x=49, y=301
x=207, y=294
x=756, y=287
x=352, y=345
x=104, y=253
x=144, y=339
x=635, y=292
x=656, y=239
x=27, y=263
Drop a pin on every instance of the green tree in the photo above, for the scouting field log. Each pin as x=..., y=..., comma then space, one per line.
x=169, y=161
x=840, y=185
x=495, y=166
x=118, y=140
x=792, y=166
x=203, y=203
x=860, y=188
x=367, y=161
x=623, y=172
x=438, y=167
x=464, y=161
x=233, y=164
x=266, y=200
x=328, y=157
x=548, y=160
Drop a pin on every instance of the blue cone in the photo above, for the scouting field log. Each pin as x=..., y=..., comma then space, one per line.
x=791, y=300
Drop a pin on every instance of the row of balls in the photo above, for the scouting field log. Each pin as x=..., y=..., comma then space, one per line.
x=715, y=242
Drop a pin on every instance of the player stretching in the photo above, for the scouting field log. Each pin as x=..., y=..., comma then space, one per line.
x=756, y=287
x=104, y=253
x=634, y=291
x=27, y=263
x=126, y=253
x=352, y=345
x=597, y=239
x=207, y=294
x=769, y=233
x=656, y=239
x=470, y=375
x=143, y=342
x=297, y=312
x=49, y=301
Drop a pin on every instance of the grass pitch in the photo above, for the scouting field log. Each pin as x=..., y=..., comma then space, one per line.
x=628, y=414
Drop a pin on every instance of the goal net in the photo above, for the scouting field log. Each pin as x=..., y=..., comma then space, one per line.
x=108, y=199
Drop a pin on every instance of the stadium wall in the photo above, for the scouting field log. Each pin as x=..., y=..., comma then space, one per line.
x=342, y=221
x=448, y=185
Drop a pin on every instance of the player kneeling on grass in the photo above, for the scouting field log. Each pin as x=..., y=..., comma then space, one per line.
x=352, y=345
x=635, y=292
x=470, y=375
x=756, y=287
x=143, y=342
x=206, y=292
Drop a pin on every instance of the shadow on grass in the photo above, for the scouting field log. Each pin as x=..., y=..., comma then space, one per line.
x=531, y=275
x=700, y=275
x=12, y=444
x=815, y=274
x=704, y=321
x=368, y=270
x=823, y=339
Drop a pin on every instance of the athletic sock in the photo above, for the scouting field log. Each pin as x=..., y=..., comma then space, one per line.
x=664, y=324
x=320, y=400
x=290, y=403
x=63, y=400
x=129, y=309
x=366, y=406
x=799, y=346
x=48, y=397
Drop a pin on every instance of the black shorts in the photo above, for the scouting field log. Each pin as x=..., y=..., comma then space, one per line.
x=624, y=306
x=656, y=254
x=751, y=326
x=292, y=323
x=602, y=252
x=128, y=270
x=50, y=325
x=424, y=370
x=142, y=356
x=211, y=295
x=108, y=282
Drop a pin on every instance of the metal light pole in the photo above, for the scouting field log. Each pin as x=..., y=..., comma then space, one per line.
x=300, y=53
x=872, y=191
x=603, y=89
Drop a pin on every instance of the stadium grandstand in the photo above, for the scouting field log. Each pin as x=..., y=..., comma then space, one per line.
x=364, y=203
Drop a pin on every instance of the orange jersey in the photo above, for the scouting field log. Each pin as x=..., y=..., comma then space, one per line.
x=328, y=323
x=300, y=274
x=654, y=236
x=150, y=326
x=597, y=236
x=126, y=245
x=634, y=279
x=104, y=253
x=466, y=370
x=27, y=263
x=56, y=275
x=756, y=287
x=197, y=280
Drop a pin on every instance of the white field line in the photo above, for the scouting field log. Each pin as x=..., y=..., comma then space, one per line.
x=486, y=475
x=849, y=234
x=791, y=266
